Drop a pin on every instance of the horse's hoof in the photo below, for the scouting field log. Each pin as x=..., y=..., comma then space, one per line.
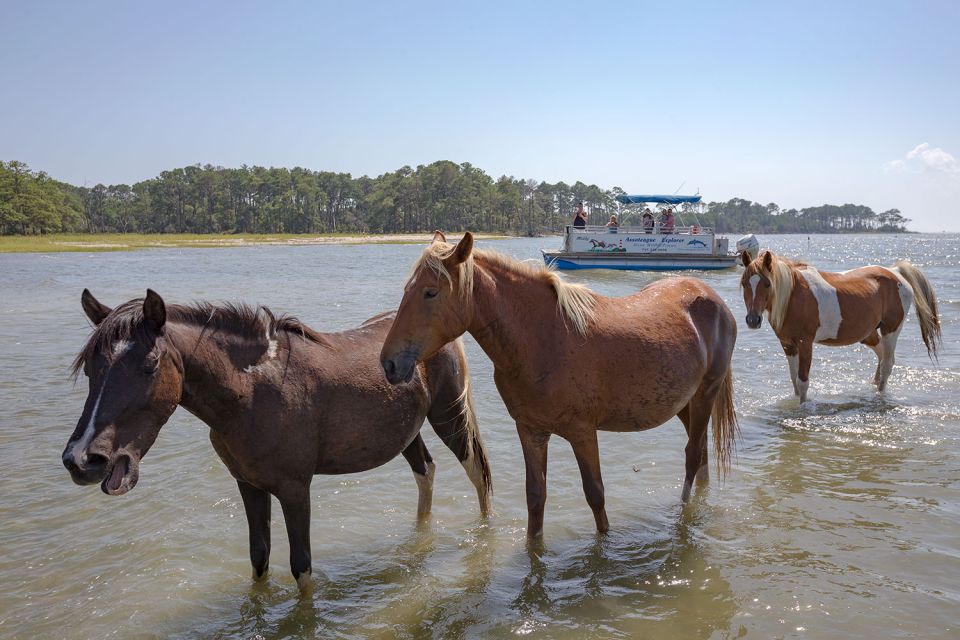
x=703, y=474
x=685, y=495
x=305, y=582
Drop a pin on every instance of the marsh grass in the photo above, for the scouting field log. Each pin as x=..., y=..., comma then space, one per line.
x=96, y=242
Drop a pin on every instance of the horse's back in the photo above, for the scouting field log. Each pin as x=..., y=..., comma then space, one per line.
x=646, y=354
x=864, y=299
x=357, y=419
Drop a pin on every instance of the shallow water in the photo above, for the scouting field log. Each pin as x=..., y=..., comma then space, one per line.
x=839, y=519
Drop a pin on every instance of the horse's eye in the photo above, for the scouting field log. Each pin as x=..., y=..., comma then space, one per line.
x=430, y=294
x=151, y=363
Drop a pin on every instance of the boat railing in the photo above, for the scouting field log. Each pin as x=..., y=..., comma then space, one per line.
x=656, y=229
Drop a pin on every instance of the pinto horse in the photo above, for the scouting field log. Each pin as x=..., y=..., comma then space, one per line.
x=563, y=355
x=283, y=402
x=867, y=305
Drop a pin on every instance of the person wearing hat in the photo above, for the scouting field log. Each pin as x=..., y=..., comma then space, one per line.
x=647, y=221
x=579, y=217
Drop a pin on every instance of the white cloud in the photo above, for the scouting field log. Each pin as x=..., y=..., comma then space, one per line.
x=925, y=159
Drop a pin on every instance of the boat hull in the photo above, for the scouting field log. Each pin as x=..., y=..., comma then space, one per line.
x=637, y=262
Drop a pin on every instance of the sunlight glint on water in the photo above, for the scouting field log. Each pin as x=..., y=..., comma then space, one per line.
x=839, y=518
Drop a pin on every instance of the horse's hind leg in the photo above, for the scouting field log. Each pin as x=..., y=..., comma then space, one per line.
x=873, y=341
x=888, y=343
x=703, y=473
x=696, y=417
x=256, y=503
x=588, y=459
x=424, y=471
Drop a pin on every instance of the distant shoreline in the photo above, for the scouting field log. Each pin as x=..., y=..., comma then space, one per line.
x=102, y=242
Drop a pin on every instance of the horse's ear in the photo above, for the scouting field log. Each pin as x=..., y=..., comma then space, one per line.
x=94, y=309
x=767, y=260
x=464, y=248
x=745, y=258
x=438, y=236
x=154, y=310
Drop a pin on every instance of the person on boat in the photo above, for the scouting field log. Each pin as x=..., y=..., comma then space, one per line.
x=579, y=217
x=647, y=221
x=667, y=222
x=612, y=225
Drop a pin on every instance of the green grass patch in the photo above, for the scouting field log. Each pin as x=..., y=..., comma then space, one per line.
x=95, y=242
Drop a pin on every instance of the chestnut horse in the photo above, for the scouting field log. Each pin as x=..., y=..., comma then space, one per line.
x=283, y=402
x=570, y=362
x=867, y=305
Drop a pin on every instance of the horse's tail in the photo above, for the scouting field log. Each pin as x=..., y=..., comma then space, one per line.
x=926, y=303
x=725, y=427
x=476, y=447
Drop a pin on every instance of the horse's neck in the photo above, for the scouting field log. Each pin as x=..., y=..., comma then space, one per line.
x=209, y=374
x=511, y=311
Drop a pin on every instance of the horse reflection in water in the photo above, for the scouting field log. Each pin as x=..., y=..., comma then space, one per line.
x=868, y=305
x=283, y=403
x=570, y=362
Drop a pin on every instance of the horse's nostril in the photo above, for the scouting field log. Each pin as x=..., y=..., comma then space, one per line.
x=95, y=461
x=69, y=463
x=389, y=367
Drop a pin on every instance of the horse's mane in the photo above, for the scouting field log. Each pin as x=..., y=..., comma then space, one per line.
x=256, y=323
x=781, y=279
x=575, y=301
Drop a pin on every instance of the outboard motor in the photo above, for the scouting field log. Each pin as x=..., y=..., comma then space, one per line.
x=749, y=245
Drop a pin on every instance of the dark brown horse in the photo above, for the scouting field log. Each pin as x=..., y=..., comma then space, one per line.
x=563, y=357
x=283, y=403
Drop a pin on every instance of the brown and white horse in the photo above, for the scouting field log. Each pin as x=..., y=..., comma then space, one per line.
x=867, y=305
x=563, y=355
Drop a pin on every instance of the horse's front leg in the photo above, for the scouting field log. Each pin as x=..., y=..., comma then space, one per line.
x=793, y=361
x=805, y=352
x=256, y=502
x=295, y=501
x=588, y=459
x=534, y=444
x=424, y=470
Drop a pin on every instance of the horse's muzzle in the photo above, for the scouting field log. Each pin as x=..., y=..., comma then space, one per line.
x=754, y=321
x=399, y=369
x=91, y=470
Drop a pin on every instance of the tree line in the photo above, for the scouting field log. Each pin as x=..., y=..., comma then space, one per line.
x=441, y=195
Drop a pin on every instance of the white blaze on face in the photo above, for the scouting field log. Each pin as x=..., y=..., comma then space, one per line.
x=828, y=304
x=754, y=281
x=79, y=449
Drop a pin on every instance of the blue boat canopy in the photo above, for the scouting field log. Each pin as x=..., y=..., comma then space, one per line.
x=658, y=199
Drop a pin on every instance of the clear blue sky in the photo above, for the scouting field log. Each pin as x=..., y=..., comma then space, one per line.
x=801, y=105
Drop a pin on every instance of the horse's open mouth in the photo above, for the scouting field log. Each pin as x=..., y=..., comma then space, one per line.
x=122, y=476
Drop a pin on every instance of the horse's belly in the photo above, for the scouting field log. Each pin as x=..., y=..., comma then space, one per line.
x=643, y=415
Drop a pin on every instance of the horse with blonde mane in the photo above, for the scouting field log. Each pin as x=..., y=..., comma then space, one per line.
x=563, y=356
x=867, y=305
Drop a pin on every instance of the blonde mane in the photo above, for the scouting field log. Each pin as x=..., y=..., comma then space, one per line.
x=575, y=301
x=781, y=286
